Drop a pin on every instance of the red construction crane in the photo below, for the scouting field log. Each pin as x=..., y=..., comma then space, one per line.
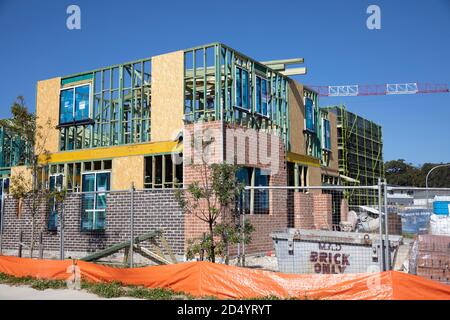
x=379, y=89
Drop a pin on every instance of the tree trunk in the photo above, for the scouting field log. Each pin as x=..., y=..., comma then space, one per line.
x=213, y=246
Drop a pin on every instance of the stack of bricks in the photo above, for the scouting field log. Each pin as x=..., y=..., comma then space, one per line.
x=433, y=258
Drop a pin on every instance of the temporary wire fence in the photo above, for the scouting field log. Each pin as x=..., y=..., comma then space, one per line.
x=388, y=228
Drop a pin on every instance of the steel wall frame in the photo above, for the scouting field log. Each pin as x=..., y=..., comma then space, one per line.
x=13, y=151
x=226, y=60
x=114, y=89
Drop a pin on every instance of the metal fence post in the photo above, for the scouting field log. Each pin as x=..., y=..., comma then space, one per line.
x=2, y=220
x=243, y=229
x=20, y=244
x=61, y=232
x=131, y=251
x=386, y=229
x=41, y=246
x=380, y=217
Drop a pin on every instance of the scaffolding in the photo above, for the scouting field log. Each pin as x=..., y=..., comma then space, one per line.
x=360, y=153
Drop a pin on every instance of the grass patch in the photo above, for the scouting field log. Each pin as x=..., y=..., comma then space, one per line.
x=116, y=289
x=102, y=289
x=38, y=284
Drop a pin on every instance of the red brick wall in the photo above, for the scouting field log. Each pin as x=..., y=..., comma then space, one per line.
x=322, y=211
x=312, y=211
x=235, y=144
x=303, y=210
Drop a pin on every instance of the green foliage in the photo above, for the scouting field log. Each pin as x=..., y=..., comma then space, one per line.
x=23, y=123
x=38, y=284
x=105, y=289
x=401, y=173
x=229, y=234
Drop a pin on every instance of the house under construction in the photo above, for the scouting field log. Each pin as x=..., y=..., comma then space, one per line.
x=135, y=124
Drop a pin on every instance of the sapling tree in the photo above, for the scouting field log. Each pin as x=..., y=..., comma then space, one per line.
x=35, y=157
x=212, y=200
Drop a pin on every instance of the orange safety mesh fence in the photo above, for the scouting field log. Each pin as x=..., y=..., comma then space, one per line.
x=229, y=282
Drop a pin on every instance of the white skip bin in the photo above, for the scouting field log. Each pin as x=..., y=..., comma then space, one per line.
x=329, y=252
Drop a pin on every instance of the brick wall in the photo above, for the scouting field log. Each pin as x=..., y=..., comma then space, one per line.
x=239, y=144
x=155, y=209
x=303, y=210
x=322, y=211
x=312, y=211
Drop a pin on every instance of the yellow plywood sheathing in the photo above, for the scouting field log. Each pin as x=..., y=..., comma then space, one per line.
x=127, y=170
x=47, y=112
x=167, y=96
x=24, y=175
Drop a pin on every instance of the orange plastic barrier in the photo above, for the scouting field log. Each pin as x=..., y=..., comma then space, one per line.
x=209, y=279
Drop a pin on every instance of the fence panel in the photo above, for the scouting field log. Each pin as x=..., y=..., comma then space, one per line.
x=354, y=229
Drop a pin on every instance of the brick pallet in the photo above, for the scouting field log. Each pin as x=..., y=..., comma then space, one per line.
x=433, y=258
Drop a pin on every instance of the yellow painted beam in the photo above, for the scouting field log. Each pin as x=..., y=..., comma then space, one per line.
x=303, y=159
x=114, y=152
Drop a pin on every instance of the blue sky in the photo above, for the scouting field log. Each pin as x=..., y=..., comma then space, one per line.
x=413, y=45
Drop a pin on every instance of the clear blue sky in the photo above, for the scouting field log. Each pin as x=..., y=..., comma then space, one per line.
x=412, y=45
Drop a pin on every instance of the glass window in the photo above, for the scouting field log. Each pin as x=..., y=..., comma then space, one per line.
x=55, y=182
x=261, y=96
x=66, y=106
x=242, y=88
x=264, y=96
x=309, y=115
x=261, y=195
x=243, y=175
x=238, y=87
x=245, y=91
x=82, y=103
x=74, y=104
x=258, y=94
x=326, y=134
x=94, y=186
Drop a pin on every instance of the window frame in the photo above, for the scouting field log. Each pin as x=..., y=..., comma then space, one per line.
x=240, y=70
x=260, y=96
x=74, y=101
x=53, y=214
x=324, y=136
x=313, y=130
x=95, y=193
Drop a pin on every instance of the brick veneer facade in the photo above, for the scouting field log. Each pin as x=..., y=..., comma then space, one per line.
x=156, y=209
x=311, y=211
